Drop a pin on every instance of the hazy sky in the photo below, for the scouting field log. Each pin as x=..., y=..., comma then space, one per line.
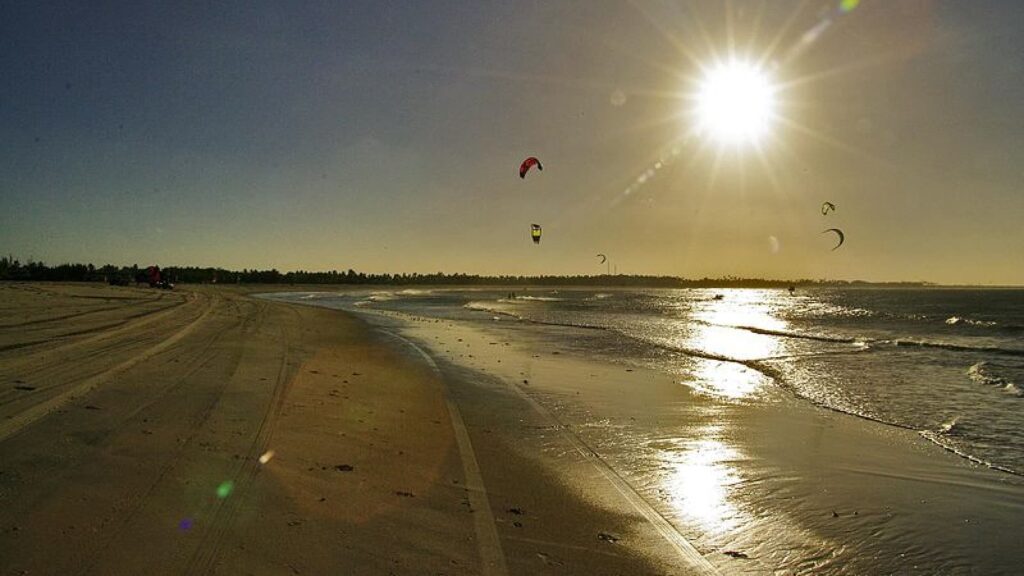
x=386, y=136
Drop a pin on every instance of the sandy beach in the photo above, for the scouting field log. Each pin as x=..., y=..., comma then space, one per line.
x=208, y=431
x=201, y=431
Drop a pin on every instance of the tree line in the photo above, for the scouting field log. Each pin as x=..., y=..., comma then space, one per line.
x=12, y=269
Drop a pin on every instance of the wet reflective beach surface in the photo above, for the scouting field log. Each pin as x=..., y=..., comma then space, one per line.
x=777, y=432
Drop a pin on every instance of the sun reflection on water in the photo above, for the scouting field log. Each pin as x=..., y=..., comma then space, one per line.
x=716, y=332
x=700, y=479
x=744, y=307
x=726, y=379
x=703, y=471
x=722, y=324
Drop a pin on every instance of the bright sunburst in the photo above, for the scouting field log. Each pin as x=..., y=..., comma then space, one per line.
x=739, y=90
x=735, y=103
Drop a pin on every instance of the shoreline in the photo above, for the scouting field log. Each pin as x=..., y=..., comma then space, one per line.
x=766, y=367
x=901, y=470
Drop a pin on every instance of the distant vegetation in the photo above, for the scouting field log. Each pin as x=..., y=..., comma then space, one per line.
x=12, y=269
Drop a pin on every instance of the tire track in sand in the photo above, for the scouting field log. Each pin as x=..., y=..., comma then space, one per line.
x=202, y=361
x=51, y=319
x=492, y=557
x=16, y=423
x=693, y=559
x=97, y=333
x=206, y=553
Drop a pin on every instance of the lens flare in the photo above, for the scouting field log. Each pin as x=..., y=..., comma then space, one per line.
x=225, y=489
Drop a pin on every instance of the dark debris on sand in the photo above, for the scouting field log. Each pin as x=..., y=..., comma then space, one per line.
x=736, y=554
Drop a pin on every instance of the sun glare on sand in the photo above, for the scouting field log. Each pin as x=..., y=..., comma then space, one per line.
x=735, y=103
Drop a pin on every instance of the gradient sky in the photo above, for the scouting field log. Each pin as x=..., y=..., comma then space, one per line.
x=385, y=136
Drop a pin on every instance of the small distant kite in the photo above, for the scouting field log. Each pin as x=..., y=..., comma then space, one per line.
x=527, y=164
x=535, y=232
x=842, y=237
x=603, y=258
x=827, y=207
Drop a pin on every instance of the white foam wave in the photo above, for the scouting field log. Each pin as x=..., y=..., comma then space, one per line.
x=955, y=320
x=814, y=309
x=981, y=374
x=950, y=427
x=943, y=441
x=539, y=298
x=490, y=308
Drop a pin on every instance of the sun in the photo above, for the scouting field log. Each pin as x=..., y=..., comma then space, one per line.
x=735, y=103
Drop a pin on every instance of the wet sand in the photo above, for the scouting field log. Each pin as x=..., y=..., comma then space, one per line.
x=775, y=485
x=133, y=422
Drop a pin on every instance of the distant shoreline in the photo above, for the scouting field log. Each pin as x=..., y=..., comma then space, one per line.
x=553, y=282
x=12, y=269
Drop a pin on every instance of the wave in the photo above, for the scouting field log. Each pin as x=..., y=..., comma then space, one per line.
x=937, y=437
x=538, y=299
x=800, y=335
x=953, y=347
x=943, y=441
x=484, y=307
x=944, y=438
x=870, y=343
x=980, y=374
x=975, y=323
x=955, y=320
x=814, y=309
x=950, y=427
x=876, y=343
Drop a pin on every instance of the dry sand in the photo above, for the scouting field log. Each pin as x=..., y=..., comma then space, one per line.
x=133, y=421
